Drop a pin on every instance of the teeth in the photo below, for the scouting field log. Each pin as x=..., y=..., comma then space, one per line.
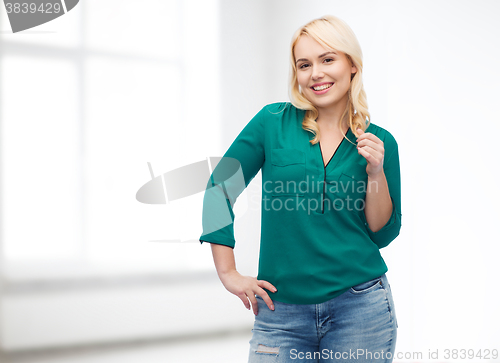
x=321, y=88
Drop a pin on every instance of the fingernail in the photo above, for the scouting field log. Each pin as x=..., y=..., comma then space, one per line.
x=272, y=307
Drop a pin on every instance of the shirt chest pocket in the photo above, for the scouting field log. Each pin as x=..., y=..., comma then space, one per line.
x=288, y=172
x=349, y=189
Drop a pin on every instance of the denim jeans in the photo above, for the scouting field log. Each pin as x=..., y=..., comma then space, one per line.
x=357, y=326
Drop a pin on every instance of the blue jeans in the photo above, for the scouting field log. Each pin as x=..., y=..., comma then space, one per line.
x=358, y=326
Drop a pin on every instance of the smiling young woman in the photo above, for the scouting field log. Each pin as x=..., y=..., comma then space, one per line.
x=321, y=293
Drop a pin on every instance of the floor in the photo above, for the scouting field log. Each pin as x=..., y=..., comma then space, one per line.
x=231, y=348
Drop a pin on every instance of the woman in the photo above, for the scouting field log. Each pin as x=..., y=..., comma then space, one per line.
x=331, y=199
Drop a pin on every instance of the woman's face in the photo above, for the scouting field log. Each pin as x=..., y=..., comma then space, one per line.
x=324, y=75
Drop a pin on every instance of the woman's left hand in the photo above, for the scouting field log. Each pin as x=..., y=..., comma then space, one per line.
x=372, y=149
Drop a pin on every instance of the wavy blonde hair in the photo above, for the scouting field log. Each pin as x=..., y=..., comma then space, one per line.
x=332, y=33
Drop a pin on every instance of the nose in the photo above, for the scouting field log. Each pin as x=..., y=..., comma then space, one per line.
x=317, y=73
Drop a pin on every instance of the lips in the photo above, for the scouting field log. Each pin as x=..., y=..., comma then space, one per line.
x=321, y=86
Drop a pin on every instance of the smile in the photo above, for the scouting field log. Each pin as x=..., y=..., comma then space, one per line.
x=322, y=87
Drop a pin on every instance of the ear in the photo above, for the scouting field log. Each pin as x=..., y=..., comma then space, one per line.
x=353, y=74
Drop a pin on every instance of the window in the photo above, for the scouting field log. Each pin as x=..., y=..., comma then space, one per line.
x=87, y=100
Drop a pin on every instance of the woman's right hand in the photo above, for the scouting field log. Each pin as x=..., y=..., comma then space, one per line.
x=245, y=287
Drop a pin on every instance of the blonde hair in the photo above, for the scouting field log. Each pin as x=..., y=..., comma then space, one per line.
x=332, y=33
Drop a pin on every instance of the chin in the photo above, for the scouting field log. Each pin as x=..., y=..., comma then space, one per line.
x=325, y=103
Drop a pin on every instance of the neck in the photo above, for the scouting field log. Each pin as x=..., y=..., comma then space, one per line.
x=329, y=118
x=331, y=122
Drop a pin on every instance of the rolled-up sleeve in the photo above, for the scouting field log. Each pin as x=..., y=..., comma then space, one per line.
x=391, y=229
x=239, y=165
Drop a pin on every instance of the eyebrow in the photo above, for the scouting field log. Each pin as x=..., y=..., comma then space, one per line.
x=321, y=55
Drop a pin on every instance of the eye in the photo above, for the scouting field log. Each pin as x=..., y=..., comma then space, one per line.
x=302, y=65
x=329, y=59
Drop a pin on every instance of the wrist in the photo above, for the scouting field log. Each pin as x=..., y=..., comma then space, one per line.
x=377, y=176
x=224, y=275
x=376, y=182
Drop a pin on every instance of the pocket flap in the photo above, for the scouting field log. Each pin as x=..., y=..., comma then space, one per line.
x=282, y=157
x=356, y=175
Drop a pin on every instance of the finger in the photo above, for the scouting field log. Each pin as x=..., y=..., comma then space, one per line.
x=244, y=299
x=246, y=302
x=370, y=139
x=263, y=294
x=373, y=150
x=370, y=150
x=363, y=153
x=253, y=300
x=364, y=135
x=371, y=155
x=369, y=136
x=376, y=144
x=267, y=285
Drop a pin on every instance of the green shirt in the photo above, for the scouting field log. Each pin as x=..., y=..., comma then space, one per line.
x=315, y=242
